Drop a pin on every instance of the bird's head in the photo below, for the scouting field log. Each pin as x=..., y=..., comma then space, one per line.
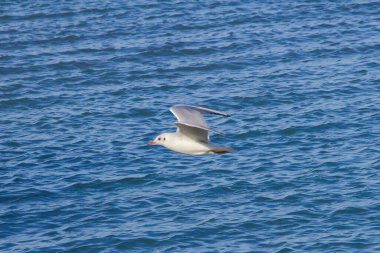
x=160, y=140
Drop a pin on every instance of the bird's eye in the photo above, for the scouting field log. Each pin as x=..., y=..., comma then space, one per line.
x=159, y=138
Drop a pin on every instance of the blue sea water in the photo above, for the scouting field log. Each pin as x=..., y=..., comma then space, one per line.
x=84, y=85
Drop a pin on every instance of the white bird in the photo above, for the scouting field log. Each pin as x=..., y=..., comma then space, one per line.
x=192, y=133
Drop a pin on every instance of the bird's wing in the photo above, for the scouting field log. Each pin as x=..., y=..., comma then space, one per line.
x=191, y=122
x=196, y=133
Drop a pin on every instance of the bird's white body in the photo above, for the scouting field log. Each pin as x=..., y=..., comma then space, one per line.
x=192, y=133
x=182, y=144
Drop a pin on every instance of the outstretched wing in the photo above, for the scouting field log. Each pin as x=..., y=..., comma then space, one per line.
x=194, y=132
x=191, y=122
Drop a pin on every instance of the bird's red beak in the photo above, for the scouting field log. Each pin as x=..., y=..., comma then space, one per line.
x=151, y=143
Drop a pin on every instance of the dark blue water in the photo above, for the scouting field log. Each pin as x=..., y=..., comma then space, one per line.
x=84, y=85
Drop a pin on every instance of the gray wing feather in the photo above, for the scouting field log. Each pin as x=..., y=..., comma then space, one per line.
x=193, y=132
x=191, y=122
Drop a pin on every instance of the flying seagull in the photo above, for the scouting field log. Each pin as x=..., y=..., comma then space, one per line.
x=192, y=133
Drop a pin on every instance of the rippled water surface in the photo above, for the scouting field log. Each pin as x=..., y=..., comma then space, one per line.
x=84, y=85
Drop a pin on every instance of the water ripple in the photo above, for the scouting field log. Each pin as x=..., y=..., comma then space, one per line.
x=84, y=87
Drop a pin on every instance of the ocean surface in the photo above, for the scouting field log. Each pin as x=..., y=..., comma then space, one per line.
x=84, y=85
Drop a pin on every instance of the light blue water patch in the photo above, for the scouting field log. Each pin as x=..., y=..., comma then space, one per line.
x=85, y=85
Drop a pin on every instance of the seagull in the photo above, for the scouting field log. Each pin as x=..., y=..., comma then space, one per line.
x=192, y=134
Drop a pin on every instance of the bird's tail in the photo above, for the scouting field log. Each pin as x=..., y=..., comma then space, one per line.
x=220, y=150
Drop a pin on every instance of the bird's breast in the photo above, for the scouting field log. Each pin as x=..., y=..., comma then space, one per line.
x=187, y=146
